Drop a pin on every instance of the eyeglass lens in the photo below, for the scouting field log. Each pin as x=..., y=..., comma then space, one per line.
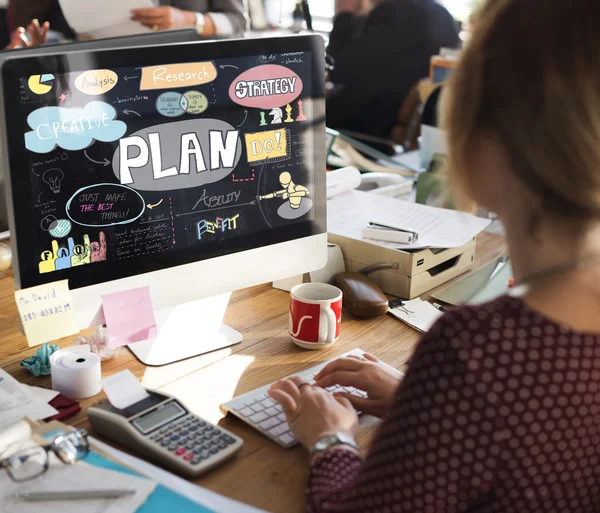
x=71, y=447
x=28, y=464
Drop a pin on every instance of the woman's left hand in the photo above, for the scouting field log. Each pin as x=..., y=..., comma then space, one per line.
x=312, y=412
x=164, y=17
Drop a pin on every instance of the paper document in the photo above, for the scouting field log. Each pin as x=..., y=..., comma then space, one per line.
x=90, y=16
x=43, y=394
x=342, y=180
x=418, y=314
x=47, y=312
x=81, y=476
x=199, y=495
x=17, y=401
x=349, y=213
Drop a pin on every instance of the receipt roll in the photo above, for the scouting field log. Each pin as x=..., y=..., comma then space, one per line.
x=76, y=372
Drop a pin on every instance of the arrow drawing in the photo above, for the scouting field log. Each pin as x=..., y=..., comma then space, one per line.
x=218, y=208
x=245, y=118
x=223, y=66
x=154, y=206
x=127, y=111
x=33, y=171
x=129, y=78
x=105, y=162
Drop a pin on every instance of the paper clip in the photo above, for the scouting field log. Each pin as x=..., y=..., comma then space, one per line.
x=400, y=305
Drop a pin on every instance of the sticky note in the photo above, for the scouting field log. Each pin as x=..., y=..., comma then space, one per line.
x=47, y=312
x=129, y=316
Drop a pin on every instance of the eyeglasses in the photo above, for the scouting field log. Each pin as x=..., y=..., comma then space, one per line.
x=31, y=462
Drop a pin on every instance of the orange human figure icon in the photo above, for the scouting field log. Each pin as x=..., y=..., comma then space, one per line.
x=99, y=249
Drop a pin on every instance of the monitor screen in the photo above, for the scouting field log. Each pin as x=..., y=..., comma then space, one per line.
x=131, y=161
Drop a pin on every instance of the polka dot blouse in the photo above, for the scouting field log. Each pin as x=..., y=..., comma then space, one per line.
x=498, y=412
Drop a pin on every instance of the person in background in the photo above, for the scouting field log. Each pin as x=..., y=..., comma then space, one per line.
x=499, y=410
x=34, y=35
x=380, y=53
x=216, y=18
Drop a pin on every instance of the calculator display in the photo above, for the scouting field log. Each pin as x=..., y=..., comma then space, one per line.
x=158, y=417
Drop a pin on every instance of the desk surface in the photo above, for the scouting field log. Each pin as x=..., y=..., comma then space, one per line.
x=263, y=475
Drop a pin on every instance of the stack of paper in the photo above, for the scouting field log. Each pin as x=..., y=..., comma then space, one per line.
x=418, y=314
x=349, y=213
x=18, y=401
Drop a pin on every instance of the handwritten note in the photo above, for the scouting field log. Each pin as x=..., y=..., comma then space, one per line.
x=46, y=312
x=129, y=316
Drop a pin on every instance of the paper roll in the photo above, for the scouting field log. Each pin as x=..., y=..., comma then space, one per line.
x=76, y=372
x=342, y=180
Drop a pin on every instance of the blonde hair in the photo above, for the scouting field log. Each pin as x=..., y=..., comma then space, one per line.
x=530, y=76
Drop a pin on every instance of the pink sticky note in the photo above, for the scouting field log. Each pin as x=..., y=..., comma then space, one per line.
x=129, y=316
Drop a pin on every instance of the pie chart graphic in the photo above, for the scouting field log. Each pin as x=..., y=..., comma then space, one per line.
x=41, y=84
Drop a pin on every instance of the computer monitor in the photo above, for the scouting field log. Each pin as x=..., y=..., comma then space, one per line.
x=194, y=169
x=154, y=38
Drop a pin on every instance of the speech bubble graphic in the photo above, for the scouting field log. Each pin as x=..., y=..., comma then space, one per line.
x=105, y=204
x=96, y=81
x=171, y=104
x=266, y=87
x=268, y=147
x=173, y=76
x=197, y=102
x=72, y=129
x=179, y=155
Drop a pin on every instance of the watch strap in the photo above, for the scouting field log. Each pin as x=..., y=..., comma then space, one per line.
x=331, y=441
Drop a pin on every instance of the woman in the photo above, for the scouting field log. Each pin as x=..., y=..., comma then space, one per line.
x=500, y=408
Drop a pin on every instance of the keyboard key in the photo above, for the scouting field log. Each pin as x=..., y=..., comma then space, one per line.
x=257, y=407
x=268, y=403
x=280, y=429
x=258, y=417
x=287, y=438
x=281, y=417
x=272, y=412
x=246, y=412
x=269, y=423
x=179, y=452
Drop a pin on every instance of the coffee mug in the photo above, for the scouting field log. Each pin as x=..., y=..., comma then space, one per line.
x=315, y=315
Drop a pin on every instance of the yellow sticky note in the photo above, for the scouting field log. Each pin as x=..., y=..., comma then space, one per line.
x=47, y=312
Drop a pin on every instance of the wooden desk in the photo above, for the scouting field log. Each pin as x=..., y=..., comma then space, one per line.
x=263, y=475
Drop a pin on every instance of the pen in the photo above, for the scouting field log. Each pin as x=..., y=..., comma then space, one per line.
x=74, y=495
x=439, y=307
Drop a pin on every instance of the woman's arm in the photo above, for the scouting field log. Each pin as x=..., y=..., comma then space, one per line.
x=436, y=450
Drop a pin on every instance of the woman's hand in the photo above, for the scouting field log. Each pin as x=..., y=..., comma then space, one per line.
x=312, y=412
x=164, y=17
x=34, y=35
x=368, y=374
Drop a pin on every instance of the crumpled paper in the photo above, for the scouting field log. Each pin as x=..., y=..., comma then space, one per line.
x=99, y=344
x=39, y=364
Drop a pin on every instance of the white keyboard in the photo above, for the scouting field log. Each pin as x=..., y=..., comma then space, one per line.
x=265, y=415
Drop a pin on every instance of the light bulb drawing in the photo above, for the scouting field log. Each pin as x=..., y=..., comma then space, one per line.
x=53, y=177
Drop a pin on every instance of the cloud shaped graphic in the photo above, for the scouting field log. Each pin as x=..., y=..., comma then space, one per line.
x=72, y=129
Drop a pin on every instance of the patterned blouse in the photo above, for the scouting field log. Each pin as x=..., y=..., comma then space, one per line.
x=499, y=412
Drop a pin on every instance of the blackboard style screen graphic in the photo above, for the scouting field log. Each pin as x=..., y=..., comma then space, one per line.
x=131, y=161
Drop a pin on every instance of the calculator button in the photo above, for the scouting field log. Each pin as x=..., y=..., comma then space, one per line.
x=165, y=443
x=173, y=447
x=188, y=457
x=193, y=428
x=201, y=423
x=179, y=452
x=190, y=446
x=195, y=461
x=209, y=428
x=198, y=450
x=183, y=433
x=174, y=438
x=222, y=445
x=214, y=451
x=217, y=432
x=228, y=439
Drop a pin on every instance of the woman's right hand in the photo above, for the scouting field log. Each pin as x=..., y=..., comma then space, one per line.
x=368, y=374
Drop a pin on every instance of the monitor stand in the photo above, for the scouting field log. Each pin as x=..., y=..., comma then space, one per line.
x=186, y=331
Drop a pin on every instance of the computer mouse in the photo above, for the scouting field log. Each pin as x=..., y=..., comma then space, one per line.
x=362, y=297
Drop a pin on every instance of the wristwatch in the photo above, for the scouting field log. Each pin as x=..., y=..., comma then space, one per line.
x=329, y=441
x=200, y=23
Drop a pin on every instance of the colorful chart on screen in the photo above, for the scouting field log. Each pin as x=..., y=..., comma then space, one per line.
x=138, y=163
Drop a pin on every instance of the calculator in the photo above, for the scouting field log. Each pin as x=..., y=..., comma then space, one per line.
x=161, y=428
